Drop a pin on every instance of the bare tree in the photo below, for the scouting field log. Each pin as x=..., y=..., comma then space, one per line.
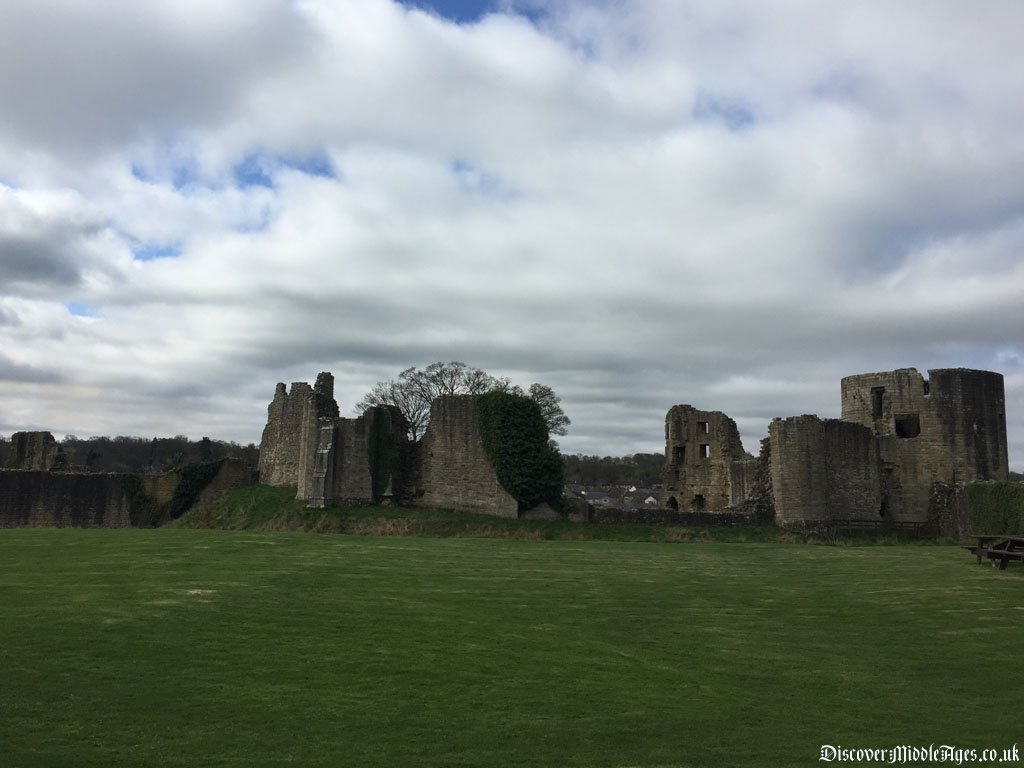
x=414, y=390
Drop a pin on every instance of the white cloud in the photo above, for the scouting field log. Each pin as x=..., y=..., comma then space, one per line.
x=731, y=204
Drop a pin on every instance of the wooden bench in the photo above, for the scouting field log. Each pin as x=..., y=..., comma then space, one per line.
x=1003, y=548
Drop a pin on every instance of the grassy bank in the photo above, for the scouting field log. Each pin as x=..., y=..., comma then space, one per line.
x=185, y=648
x=264, y=508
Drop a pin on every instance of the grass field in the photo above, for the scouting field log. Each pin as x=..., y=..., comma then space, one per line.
x=213, y=648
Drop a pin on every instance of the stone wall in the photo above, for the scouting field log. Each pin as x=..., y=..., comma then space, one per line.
x=947, y=509
x=743, y=476
x=950, y=428
x=700, y=447
x=33, y=498
x=32, y=450
x=456, y=472
x=824, y=469
x=293, y=430
x=341, y=471
x=655, y=516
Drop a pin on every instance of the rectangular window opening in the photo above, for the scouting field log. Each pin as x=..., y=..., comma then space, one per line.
x=679, y=453
x=705, y=451
x=702, y=427
x=877, y=395
x=908, y=425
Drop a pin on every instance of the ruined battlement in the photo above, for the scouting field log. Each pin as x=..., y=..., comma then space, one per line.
x=33, y=450
x=292, y=430
x=356, y=460
x=900, y=435
x=700, y=447
x=335, y=461
x=954, y=422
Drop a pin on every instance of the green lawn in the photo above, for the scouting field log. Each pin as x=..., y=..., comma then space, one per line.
x=211, y=648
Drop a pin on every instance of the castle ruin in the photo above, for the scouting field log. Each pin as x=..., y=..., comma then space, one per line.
x=332, y=460
x=900, y=437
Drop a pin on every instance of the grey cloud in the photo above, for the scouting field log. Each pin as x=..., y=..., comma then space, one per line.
x=9, y=317
x=11, y=371
x=33, y=261
x=80, y=77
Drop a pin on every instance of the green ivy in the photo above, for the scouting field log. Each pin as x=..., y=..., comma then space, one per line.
x=996, y=507
x=194, y=479
x=383, y=451
x=143, y=512
x=516, y=440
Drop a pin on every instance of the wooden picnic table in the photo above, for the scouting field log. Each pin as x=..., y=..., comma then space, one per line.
x=1002, y=547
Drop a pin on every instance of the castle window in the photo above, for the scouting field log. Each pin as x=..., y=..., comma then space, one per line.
x=679, y=453
x=908, y=425
x=877, y=394
x=702, y=427
x=705, y=451
x=698, y=502
x=672, y=503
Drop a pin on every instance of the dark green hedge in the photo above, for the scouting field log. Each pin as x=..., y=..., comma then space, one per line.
x=194, y=479
x=383, y=451
x=515, y=437
x=143, y=512
x=996, y=507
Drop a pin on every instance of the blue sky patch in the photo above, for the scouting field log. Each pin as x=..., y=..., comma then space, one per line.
x=471, y=11
x=183, y=174
x=313, y=165
x=461, y=11
x=254, y=171
x=257, y=170
x=82, y=310
x=151, y=251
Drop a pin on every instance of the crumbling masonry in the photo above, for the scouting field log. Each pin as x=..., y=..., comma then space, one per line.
x=333, y=461
x=900, y=438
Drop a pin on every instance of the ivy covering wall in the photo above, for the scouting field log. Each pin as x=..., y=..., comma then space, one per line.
x=383, y=453
x=996, y=507
x=516, y=440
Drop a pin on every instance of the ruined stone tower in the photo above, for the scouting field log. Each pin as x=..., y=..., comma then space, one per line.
x=33, y=450
x=293, y=428
x=948, y=428
x=700, y=450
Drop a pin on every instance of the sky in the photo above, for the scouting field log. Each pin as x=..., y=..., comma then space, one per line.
x=726, y=203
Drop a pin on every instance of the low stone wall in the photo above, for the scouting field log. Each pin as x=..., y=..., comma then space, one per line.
x=662, y=516
x=33, y=498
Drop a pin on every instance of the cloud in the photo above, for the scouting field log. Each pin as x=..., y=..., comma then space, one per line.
x=11, y=371
x=76, y=79
x=642, y=203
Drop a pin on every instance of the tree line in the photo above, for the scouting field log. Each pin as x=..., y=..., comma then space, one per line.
x=641, y=469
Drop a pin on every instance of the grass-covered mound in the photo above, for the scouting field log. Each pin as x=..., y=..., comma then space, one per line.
x=265, y=508
x=178, y=648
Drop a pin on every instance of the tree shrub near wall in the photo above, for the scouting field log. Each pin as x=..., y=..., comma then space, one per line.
x=143, y=512
x=194, y=479
x=383, y=451
x=515, y=438
x=996, y=507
